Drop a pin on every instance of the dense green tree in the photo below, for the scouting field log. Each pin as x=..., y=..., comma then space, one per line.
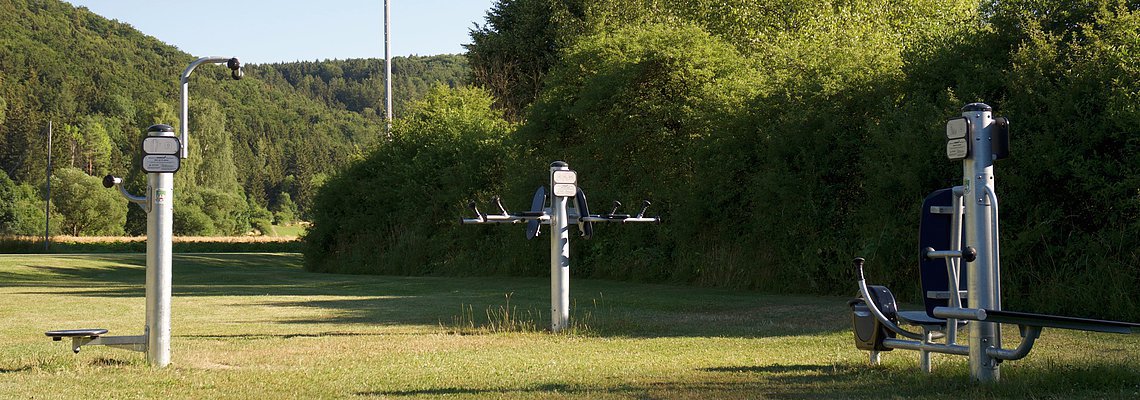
x=384, y=208
x=358, y=84
x=21, y=209
x=284, y=210
x=511, y=54
x=86, y=206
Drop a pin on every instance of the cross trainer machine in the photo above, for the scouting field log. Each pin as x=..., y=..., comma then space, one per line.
x=162, y=155
x=960, y=225
x=567, y=204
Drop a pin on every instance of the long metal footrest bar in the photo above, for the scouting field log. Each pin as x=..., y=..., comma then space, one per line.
x=931, y=347
x=1039, y=320
x=505, y=219
x=630, y=219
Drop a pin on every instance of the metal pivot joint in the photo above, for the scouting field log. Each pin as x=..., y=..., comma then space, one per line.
x=563, y=206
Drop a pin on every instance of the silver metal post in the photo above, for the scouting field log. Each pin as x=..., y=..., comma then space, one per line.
x=559, y=256
x=47, y=200
x=388, y=68
x=981, y=281
x=159, y=252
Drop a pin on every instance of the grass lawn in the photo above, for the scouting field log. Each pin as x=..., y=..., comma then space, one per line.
x=293, y=231
x=256, y=326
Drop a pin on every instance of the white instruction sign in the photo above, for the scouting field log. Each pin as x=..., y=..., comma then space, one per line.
x=565, y=183
x=160, y=163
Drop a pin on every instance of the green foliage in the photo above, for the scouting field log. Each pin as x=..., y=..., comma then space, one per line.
x=102, y=83
x=378, y=215
x=86, y=206
x=632, y=110
x=358, y=84
x=780, y=139
x=21, y=209
x=260, y=219
x=520, y=42
x=284, y=210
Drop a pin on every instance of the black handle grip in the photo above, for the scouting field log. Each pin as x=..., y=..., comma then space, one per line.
x=858, y=264
x=644, y=206
x=499, y=204
x=617, y=205
x=109, y=181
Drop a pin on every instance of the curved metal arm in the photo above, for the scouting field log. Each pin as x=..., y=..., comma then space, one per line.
x=114, y=181
x=875, y=308
x=1029, y=336
x=233, y=64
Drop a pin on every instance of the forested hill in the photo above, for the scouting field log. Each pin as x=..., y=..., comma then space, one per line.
x=358, y=84
x=263, y=143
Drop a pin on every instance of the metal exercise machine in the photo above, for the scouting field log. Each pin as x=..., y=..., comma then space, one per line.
x=567, y=204
x=161, y=158
x=960, y=225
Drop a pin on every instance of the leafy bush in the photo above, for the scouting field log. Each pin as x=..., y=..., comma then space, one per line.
x=21, y=209
x=395, y=211
x=86, y=207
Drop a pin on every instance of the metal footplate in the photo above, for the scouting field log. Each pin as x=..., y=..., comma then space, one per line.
x=94, y=337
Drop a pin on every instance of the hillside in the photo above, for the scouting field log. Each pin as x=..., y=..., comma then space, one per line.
x=282, y=130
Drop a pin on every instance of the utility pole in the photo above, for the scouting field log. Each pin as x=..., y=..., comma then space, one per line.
x=47, y=200
x=388, y=68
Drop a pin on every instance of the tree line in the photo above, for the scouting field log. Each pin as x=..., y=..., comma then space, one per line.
x=778, y=139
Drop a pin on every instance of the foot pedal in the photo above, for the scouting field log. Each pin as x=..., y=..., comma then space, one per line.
x=62, y=333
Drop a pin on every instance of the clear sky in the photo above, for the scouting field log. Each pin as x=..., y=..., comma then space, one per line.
x=266, y=31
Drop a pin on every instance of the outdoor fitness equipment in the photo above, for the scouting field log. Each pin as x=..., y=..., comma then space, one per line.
x=162, y=155
x=567, y=203
x=960, y=224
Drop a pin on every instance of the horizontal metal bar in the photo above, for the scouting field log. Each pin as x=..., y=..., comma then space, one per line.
x=944, y=294
x=972, y=314
x=500, y=219
x=931, y=347
x=943, y=254
x=941, y=209
x=133, y=343
x=630, y=219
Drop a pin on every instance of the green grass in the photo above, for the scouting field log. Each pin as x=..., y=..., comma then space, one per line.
x=257, y=326
x=294, y=230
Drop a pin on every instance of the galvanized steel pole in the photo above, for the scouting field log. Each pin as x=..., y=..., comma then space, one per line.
x=981, y=281
x=559, y=255
x=388, y=68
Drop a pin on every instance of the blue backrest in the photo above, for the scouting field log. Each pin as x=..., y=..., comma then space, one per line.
x=934, y=232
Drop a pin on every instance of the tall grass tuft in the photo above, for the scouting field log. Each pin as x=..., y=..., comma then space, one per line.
x=506, y=318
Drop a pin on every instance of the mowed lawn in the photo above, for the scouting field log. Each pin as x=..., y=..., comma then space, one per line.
x=252, y=326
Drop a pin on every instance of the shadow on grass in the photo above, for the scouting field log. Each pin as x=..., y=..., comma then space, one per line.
x=260, y=336
x=616, y=309
x=840, y=381
x=771, y=369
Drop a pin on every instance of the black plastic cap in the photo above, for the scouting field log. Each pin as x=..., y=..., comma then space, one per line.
x=970, y=254
x=233, y=63
x=108, y=181
x=160, y=128
x=977, y=107
x=559, y=164
x=858, y=264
